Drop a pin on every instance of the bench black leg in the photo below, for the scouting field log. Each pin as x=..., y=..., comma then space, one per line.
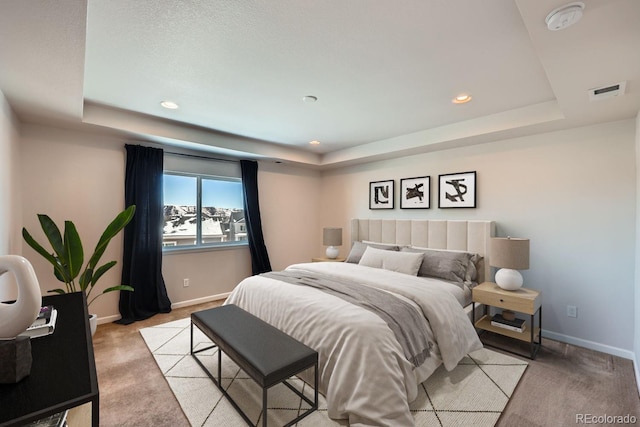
x=193, y=352
x=264, y=407
x=220, y=366
x=314, y=404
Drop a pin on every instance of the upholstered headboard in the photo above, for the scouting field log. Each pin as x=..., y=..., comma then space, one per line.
x=470, y=236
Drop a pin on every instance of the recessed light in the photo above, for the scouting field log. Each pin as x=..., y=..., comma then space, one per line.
x=461, y=99
x=314, y=142
x=169, y=105
x=310, y=98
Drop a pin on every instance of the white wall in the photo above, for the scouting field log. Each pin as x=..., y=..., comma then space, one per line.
x=10, y=201
x=79, y=175
x=212, y=274
x=571, y=192
x=290, y=211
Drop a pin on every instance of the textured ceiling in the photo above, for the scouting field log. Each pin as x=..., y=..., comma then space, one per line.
x=384, y=73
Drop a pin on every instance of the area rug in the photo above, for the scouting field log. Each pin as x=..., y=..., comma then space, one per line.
x=474, y=394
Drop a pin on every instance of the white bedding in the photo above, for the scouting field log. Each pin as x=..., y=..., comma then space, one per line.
x=363, y=372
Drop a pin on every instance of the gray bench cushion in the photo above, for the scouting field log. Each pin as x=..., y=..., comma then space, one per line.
x=265, y=353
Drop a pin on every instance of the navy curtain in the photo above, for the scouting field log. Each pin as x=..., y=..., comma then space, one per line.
x=259, y=256
x=142, y=258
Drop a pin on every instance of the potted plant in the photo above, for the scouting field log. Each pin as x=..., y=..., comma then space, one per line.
x=68, y=256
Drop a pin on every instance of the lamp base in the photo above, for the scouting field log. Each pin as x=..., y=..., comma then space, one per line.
x=332, y=252
x=508, y=279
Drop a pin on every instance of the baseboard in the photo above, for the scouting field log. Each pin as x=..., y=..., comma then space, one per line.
x=200, y=300
x=108, y=319
x=113, y=318
x=591, y=345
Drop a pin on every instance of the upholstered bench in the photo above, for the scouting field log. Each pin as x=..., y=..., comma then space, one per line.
x=266, y=354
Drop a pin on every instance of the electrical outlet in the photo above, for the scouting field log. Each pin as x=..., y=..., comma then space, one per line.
x=572, y=311
x=185, y=283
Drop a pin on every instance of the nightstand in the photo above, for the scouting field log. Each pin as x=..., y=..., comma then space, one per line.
x=324, y=259
x=521, y=300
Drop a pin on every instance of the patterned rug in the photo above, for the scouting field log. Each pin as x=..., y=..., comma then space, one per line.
x=474, y=394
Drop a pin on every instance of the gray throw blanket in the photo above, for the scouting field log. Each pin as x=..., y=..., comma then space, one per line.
x=407, y=324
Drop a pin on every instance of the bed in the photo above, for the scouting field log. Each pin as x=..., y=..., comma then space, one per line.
x=365, y=370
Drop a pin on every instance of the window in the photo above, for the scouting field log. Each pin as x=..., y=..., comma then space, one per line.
x=202, y=211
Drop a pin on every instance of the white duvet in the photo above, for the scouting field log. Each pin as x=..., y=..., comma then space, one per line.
x=363, y=372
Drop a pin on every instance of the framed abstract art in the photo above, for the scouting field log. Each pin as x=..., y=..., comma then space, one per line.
x=381, y=194
x=415, y=193
x=457, y=190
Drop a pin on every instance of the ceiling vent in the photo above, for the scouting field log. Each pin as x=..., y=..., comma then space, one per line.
x=607, y=91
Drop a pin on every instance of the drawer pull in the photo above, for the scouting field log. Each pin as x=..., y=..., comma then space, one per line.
x=501, y=300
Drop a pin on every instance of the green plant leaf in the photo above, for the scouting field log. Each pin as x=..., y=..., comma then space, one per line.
x=118, y=288
x=38, y=248
x=58, y=268
x=56, y=272
x=111, y=289
x=52, y=232
x=68, y=253
x=101, y=270
x=85, y=278
x=120, y=221
x=73, y=249
x=57, y=291
x=97, y=275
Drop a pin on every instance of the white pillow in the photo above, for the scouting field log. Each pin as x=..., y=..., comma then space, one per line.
x=402, y=262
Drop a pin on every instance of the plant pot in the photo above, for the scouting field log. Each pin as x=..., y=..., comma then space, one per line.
x=93, y=323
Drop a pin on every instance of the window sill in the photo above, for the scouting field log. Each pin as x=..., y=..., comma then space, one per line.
x=176, y=250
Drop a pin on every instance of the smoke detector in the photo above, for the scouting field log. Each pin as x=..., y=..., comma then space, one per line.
x=607, y=91
x=564, y=16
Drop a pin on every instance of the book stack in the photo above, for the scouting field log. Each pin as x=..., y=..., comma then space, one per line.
x=44, y=324
x=55, y=420
x=517, y=325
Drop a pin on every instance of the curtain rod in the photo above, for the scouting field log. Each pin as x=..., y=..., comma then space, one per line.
x=201, y=157
x=164, y=150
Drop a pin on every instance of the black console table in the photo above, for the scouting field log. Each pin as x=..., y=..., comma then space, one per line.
x=63, y=373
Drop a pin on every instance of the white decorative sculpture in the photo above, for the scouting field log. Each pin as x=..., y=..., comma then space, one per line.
x=15, y=318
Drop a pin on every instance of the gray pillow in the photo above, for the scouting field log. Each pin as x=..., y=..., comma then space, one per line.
x=358, y=248
x=448, y=265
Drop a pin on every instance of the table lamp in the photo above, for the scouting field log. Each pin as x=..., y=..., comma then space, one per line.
x=332, y=237
x=510, y=254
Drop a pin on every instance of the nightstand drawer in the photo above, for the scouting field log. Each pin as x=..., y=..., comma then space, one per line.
x=522, y=300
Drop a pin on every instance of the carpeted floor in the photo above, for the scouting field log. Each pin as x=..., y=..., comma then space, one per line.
x=475, y=393
x=562, y=382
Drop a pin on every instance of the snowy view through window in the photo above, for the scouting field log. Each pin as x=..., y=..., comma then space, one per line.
x=221, y=218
